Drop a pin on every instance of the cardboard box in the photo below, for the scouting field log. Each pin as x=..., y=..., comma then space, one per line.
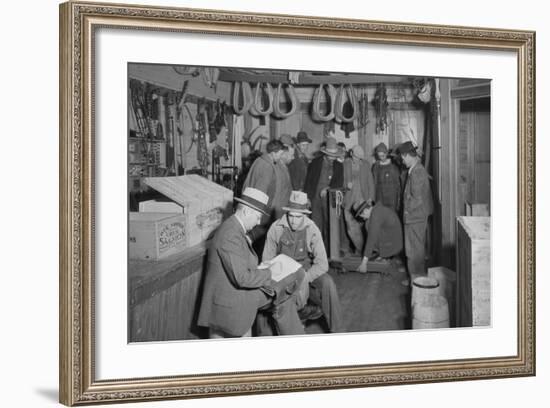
x=153, y=236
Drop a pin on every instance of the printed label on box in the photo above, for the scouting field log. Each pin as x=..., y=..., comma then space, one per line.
x=171, y=235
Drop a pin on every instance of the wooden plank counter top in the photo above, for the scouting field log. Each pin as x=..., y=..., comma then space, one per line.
x=146, y=278
x=164, y=296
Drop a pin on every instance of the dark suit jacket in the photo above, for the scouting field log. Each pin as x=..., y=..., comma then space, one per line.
x=298, y=169
x=384, y=232
x=417, y=196
x=314, y=172
x=231, y=294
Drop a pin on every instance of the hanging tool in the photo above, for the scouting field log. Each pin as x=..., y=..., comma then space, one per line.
x=380, y=102
x=202, y=149
x=363, y=108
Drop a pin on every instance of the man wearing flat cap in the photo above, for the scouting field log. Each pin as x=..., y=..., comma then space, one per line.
x=234, y=287
x=295, y=235
x=383, y=231
x=298, y=166
x=324, y=172
x=387, y=179
x=417, y=207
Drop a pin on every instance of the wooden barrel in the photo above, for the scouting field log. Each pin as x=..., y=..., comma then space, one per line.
x=447, y=288
x=423, y=286
x=430, y=312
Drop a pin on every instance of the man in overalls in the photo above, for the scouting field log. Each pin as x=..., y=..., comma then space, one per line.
x=297, y=236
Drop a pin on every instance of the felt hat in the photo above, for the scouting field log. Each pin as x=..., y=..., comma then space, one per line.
x=286, y=139
x=302, y=137
x=406, y=147
x=331, y=148
x=254, y=199
x=298, y=202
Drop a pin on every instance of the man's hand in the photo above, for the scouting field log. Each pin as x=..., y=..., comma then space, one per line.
x=323, y=192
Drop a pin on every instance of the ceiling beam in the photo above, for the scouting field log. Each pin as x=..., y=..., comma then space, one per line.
x=355, y=79
x=254, y=78
x=310, y=79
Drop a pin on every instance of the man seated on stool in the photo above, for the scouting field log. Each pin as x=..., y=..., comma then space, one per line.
x=297, y=236
x=383, y=230
x=234, y=288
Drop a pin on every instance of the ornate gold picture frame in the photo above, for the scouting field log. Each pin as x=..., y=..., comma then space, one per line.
x=79, y=22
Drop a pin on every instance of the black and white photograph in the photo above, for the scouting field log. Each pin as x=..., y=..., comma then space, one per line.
x=282, y=203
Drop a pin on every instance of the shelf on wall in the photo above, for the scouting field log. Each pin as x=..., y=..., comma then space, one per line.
x=145, y=139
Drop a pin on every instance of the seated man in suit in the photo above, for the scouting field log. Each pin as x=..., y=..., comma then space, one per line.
x=297, y=236
x=235, y=288
x=383, y=231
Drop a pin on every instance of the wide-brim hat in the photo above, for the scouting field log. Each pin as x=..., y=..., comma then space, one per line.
x=254, y=199
x=286, y=139
x=406, y=147
x=302, y=137
x=331, y=148
x=298, y=202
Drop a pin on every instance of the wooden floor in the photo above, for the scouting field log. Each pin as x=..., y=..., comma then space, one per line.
x=370, y=302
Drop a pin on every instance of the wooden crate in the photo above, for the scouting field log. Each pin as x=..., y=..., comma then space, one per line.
x=205, y=204
x=160, y=207
x=477, y=209
x=154, y=236
x=474, y=271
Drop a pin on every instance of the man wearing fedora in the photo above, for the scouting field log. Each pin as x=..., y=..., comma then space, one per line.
x=297, y=236
x=298, y=166
x=234, y=288
x=417, y=207
x=387, y=179
x=324, y=172
x=383, y=231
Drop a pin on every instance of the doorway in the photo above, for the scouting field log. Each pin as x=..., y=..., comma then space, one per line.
x=474, y=157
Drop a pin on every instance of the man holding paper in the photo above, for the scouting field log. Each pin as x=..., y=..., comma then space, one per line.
x=235, y=288
x=297, y=236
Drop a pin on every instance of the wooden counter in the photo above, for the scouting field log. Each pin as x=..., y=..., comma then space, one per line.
x=164, y=296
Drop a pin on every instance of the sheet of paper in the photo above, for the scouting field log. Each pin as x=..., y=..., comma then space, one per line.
x=281, y=266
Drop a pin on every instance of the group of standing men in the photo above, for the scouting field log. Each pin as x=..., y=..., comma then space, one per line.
x=281, y=189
